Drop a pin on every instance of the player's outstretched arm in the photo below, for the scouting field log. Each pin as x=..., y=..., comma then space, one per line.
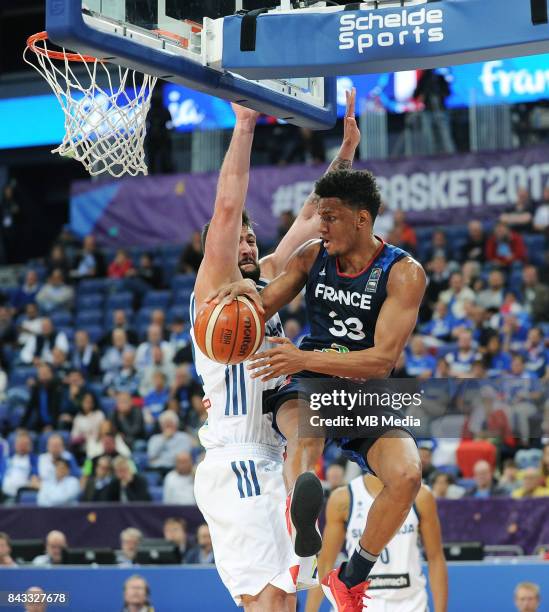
x=397, y=320
x=337, y=513
x=220, y=263
x=429, y=527
x=307, y=224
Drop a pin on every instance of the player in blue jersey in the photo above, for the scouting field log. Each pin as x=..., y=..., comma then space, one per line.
x=362, y=298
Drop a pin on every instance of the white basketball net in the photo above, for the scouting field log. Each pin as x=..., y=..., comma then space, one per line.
x=104, y=125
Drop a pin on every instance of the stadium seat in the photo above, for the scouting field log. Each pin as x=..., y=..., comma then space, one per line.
x=68, y=330
x=27, y=497
x=96, y=388
x=89, y=317
x=21, y=374
x=92, y=286
x=466, y=483
x=153, y=478
x=141, y=460
x=156, y=493
x=61, y=318
x=183, y=281
x=449, y=469
x=108, y=404
x=44, y=437
x=120, y=300
x=89, y=302
x=182, y=297
x=157, y=299
x=95, y=332
x=180, y=312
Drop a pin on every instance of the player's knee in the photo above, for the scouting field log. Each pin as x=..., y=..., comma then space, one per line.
x=405, y=481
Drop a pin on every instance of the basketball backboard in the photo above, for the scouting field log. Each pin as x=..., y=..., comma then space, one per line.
x=173, y=39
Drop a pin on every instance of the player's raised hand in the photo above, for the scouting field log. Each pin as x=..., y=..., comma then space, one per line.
x=351, y=133
x=282, y=360
x=245, y=115
x=231, y=291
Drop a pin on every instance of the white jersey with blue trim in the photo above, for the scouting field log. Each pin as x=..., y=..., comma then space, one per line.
x=234, y=399
x=397, y=574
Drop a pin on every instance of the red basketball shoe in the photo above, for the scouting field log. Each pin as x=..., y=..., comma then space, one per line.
x=340, y=596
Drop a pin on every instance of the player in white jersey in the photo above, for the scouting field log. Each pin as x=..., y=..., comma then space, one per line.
x=239, y=487
x=397, y=582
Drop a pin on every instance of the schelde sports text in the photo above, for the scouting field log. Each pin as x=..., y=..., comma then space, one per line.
x=349, y=401
x=379, y=29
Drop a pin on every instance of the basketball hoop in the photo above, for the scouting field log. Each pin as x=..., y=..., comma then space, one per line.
x=104, y=121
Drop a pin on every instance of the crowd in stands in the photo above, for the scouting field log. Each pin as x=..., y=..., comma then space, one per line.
x=99, y=399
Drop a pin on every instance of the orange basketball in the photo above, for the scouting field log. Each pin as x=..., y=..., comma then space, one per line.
x=229, y=333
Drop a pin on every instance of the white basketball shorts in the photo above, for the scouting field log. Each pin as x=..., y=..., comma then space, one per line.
x=240, y=491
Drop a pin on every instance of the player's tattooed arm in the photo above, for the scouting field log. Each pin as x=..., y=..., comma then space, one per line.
x=220, y=263
x=337, y=513
x=307, y=224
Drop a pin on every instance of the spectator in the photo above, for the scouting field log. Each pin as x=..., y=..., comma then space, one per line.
x=111, y=362
x=148, y=273
x=441, y=325
x=39, y=347
x=202, y=553
x=7, y=327
x=85, y=356
x=535, y=353
x=485, y=485
x=158, y=317
x=3, y=382
x=419, y=364
x=180, y=341
x=144, y=355
x=27, y=292
x=130, y=539
x=56, y=544
x=179, y=483
x=475, y=247
x=126, y=486
x=137, y=595
x=509, y=480
x=156, y=399
x=128, y=419
x=6, y=559
x=532, y=485
x=520, y=218
x=36, y=606
x=457, y=295
x=63, y=490
x=175, y=531
x=471, y=274
x=58, y=260
x=59, y=364
x=192, y=255
x=426, y=457
x=496, y=361
x=119, y=321
x=461, y=359
x=42, y=411
x=439, y=246
x=385, y=222
x=109, y=443
x=73, y=394
x=403, y=234
x=21, y=470
x=87, y=424
x=47, y=461
x=505, y=246
x=527, y=597
x=159, y=365
x=335, y=477
x=90, y=263
x=536, y=294
x=126, y=379
x=183, y=389
x=30, y=325
x=121, y=267
x=488, y=419
x=492, y=296
x=55, y=294
x=444, y=488
x=541, y=217
x=95, y=488
x=164, y=447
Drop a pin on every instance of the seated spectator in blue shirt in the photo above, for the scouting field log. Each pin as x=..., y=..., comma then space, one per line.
x=535, y=353
x=62, y=490
x=90, y=263
x=56, y=450
x=183, y=389
x=485, y=485
x=43, y=409
x=418, y=362
x=55, y=294
x=164, y=447
x=495, y=359
x=21, y=468
x=442, y=323
x=203, y=552
x=515, y=329
x=127, y=379
x=26, y=294
x=156, y=399
x=461, y=359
